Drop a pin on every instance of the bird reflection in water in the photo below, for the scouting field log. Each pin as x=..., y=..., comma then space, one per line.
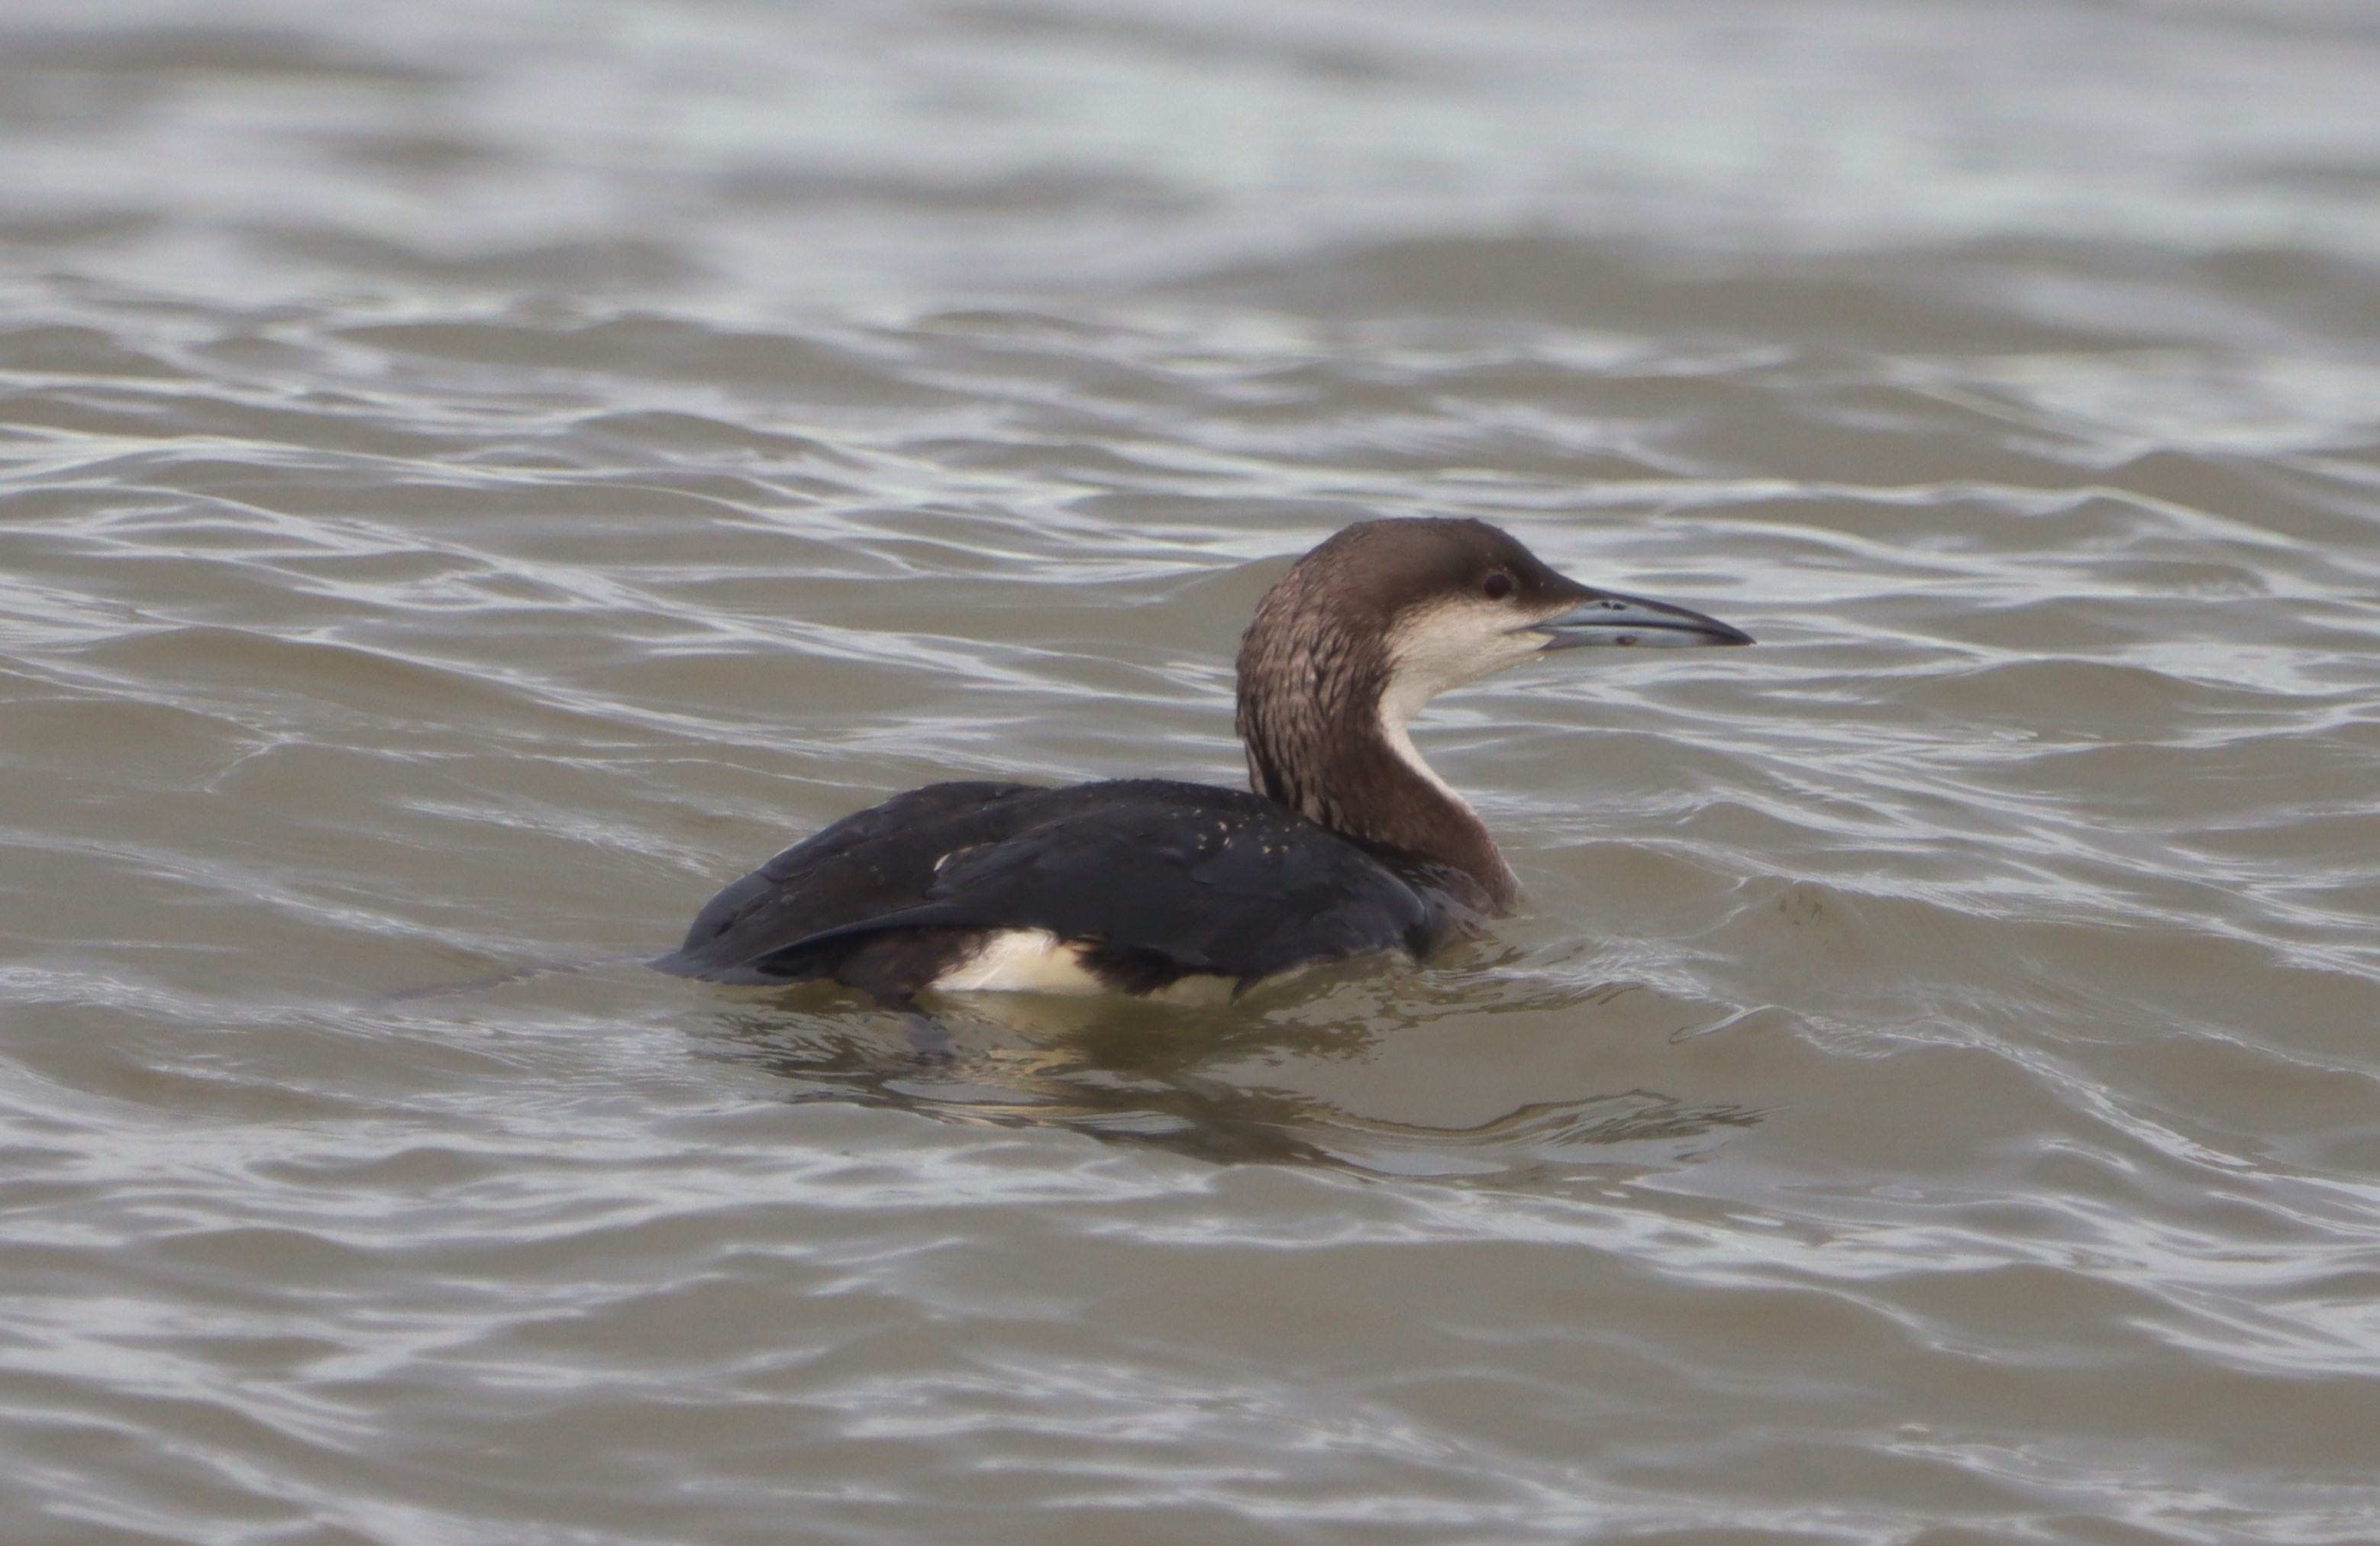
x=1169, y=1076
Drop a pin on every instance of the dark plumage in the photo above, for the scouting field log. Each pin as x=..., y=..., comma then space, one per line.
x=1160, y=879
x=1350, y=845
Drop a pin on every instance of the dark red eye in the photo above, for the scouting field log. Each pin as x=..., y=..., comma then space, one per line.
x=1498, y=588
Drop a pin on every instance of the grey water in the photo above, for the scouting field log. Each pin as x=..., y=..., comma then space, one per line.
x=474, y=478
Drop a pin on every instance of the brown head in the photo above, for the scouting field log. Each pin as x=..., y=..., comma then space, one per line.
x=1378, y=621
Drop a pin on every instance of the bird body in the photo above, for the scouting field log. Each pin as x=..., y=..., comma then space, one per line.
x=1347, y=845
x=1129, y=885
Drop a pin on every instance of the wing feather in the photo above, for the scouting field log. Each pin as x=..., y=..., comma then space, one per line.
x=1160, y=879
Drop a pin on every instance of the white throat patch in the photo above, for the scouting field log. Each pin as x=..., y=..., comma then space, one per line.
x=1439, y=646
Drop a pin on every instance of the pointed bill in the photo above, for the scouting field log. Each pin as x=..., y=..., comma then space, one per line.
x=1610, y=619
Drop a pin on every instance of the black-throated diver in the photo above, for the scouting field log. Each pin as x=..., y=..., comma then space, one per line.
x=1348, y=844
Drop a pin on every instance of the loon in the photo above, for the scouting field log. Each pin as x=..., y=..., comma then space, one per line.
x=1346, y=844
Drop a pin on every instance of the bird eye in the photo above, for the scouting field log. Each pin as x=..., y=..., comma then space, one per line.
x=1497, y=588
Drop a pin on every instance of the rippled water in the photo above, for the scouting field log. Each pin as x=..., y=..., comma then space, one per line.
x=474, y=478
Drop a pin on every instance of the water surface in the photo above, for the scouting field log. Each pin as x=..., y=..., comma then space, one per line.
x=474, y=478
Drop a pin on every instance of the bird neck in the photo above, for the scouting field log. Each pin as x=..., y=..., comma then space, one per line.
x=1326, y=736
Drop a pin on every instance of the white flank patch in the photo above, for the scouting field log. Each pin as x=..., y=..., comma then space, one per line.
x=1022, y=960
x=1035, y=960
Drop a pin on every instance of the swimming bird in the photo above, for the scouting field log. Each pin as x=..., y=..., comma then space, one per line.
x=1345, y=844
